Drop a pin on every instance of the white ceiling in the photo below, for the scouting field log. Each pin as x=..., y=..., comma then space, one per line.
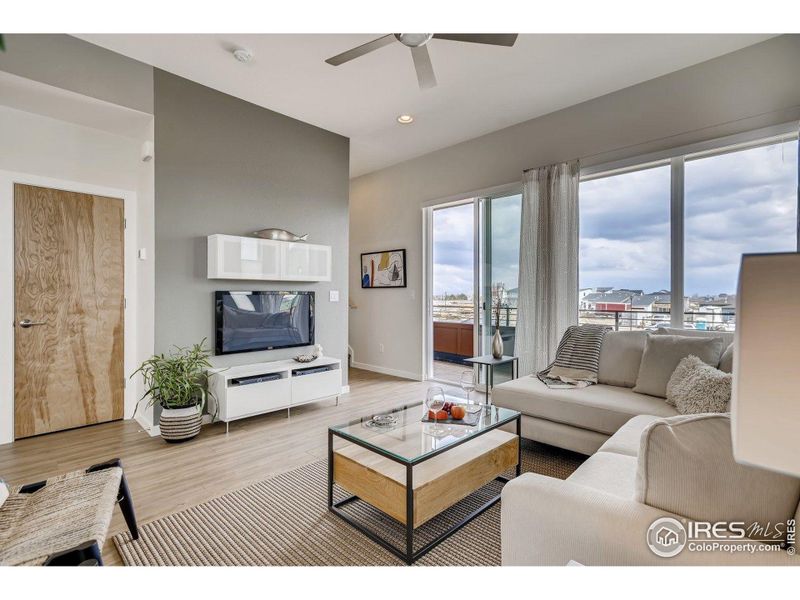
x=481, y=88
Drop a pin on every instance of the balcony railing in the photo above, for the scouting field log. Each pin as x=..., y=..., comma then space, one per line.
x=625, y=320
x=629, y=320
x=463, y=312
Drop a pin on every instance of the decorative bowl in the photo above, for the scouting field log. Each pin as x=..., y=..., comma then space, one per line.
x=305, y=358
x=382, y=422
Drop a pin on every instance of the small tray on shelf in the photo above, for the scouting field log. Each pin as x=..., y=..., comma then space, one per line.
x=470, y=418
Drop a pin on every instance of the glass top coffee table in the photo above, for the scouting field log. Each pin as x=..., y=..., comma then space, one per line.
x=411, y=472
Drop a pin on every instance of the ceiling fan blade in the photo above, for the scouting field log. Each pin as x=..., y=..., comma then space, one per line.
x=423, y=66
x=361, y=50
x=494, y=39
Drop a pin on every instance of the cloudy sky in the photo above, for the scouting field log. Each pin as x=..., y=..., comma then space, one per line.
x=453, y=245
x=739, y=202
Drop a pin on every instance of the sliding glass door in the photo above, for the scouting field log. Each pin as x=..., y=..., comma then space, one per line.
x=452, y=294
x=473, y=281
x=499, y=272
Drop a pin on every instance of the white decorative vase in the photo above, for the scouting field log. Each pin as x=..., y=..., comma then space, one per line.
x=497, y=344
x=180, y=424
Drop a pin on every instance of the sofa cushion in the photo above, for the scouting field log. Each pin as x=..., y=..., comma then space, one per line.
x=601, y=408
x=727, y=336
x=608, y=472
x=620, y=357
x=662, y=353
x=726, y=360
x=580, y=440
x=686, y=466
x=626, y=440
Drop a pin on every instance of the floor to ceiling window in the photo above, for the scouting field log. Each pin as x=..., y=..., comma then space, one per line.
x=735, y=203
x=624, y=258
x=727, y=201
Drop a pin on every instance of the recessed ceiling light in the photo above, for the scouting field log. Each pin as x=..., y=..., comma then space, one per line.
x=243, y=55
x=405, y=119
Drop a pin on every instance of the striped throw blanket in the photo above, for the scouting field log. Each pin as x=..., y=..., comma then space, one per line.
x=577, y=358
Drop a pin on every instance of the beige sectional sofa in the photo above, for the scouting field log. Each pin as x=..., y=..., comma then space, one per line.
x=583, y=419
x=680, y=467
x=647, y=462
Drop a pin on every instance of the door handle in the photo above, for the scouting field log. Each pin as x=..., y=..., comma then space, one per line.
x=28, y=323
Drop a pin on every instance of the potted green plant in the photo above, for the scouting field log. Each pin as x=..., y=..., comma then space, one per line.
x=178, y=382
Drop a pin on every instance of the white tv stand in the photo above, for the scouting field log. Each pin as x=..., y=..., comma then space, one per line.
x=286, y=385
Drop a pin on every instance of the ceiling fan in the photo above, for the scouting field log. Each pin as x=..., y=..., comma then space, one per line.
x=417, y=42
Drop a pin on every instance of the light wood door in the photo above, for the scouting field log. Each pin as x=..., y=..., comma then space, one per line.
x=69, y=282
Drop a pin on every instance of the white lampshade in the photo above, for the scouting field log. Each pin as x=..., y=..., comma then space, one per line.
x=765, y=407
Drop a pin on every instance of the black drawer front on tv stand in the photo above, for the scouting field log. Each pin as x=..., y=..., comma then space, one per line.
x=255, y=379
x=310, y=371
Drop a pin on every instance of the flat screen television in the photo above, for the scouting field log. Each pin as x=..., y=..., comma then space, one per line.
x=263, y=320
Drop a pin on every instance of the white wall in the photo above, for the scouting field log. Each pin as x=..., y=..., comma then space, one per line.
x=749, y=89
x=146, y=281
x=40, y=149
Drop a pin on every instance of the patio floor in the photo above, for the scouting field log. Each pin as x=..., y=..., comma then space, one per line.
x=447, y=371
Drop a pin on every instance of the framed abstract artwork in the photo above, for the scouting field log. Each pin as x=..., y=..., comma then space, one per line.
x=386, y=269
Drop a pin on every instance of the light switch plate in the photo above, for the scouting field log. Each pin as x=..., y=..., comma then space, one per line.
x=334, y=295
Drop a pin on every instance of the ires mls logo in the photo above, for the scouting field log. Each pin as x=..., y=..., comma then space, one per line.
x=668, y=537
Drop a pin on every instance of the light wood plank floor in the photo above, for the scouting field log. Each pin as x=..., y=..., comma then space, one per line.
x=165, y=478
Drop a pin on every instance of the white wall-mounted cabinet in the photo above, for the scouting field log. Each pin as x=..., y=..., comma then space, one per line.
x=236, y=257
x=305, y=262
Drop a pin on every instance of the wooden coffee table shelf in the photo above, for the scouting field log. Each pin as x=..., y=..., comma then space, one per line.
x=438, y=483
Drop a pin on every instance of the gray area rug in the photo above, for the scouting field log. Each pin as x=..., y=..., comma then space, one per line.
x=284, y=521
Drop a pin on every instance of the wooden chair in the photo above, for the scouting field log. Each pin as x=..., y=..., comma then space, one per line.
x=64, y=520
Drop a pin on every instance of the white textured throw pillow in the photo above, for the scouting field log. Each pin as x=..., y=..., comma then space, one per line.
x=696, y=387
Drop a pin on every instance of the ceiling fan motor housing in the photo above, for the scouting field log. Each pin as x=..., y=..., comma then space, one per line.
x=413, y=40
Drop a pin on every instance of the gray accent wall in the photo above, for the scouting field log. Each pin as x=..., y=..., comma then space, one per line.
x=223, y=165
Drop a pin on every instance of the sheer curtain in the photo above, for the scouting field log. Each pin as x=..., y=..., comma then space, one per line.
x=548, y=263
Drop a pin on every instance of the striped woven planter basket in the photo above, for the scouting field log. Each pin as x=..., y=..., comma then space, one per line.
x=180, y=424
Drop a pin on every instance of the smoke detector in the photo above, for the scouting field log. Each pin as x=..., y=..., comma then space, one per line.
x=243, y=55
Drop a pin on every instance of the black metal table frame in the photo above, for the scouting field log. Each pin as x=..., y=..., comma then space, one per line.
x=409, y=555
x=514, y=360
